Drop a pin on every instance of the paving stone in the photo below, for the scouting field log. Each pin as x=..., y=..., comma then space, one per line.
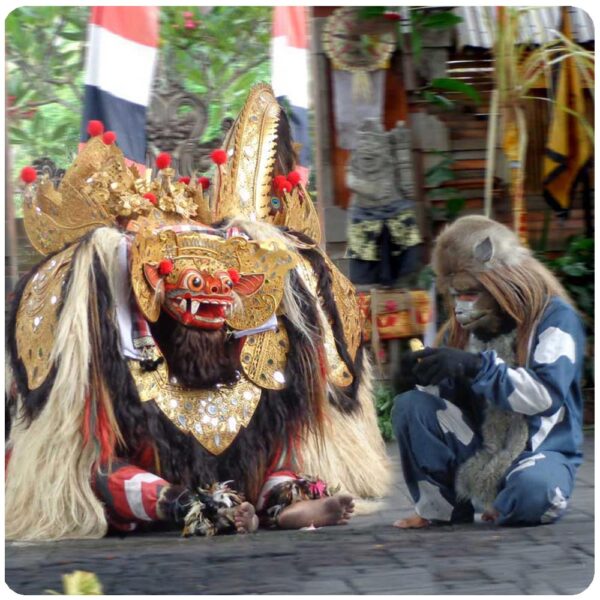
x=368, y=556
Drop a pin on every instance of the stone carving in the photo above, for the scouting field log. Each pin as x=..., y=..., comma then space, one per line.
x=177, y=120
x=46, y=166
x=380, y=169
x=382, y=224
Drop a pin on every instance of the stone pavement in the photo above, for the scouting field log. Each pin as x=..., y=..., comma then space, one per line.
x=368, y=556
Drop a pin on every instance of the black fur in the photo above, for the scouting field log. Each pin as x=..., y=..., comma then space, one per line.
x=279, y=415
x=199, y=358
x=346, y=400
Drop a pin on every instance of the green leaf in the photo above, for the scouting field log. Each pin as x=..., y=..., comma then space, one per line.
x=575, y=270
x=438, y=176
x=450, y=84
x=416, y=44
x=441, y=20
x=371, y=12
x=454, y=206
x=77, y=36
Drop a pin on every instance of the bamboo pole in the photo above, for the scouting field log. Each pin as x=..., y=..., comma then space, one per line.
x=491, y=154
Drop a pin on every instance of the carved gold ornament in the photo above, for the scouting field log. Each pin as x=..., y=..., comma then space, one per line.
x=214, y=416
x=99, y=189
x=38, y=314
x=243, y=183
x=346, y=301
x=264, y=358
x=300, y=214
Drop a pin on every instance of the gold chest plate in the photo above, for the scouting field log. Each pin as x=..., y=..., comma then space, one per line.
x=214, y=417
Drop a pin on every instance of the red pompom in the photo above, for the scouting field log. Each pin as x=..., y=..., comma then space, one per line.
x=109, y=137
x=151, y=197
x=185, y=180
x=392, y=16
x=219, y=157
x=294, y=178
x=95, y=128
x=28, y=174
x=278, y=182
x=234, y=274
x=286, y=186
x=204, y=182
x=163, y=160
x=165, y=266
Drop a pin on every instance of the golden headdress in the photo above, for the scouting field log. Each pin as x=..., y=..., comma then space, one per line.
x=245, y=182
x=99, y=189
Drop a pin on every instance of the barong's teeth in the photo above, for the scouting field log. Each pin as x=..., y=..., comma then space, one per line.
x=183, y=305
x=195, y=306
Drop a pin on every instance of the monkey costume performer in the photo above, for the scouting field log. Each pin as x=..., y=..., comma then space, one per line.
x=185, y=359
x=493, y=421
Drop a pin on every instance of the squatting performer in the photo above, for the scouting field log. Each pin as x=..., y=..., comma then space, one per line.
x=492, y=418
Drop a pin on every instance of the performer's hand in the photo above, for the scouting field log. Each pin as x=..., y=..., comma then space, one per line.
x=436, y=364
x=403, y=378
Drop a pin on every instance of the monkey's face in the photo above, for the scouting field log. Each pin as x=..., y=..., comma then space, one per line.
x=475, y=308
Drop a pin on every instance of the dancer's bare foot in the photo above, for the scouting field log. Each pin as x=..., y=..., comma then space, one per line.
x=412, y=522
x=245, y=519
x=332, y=510
x=489, y=516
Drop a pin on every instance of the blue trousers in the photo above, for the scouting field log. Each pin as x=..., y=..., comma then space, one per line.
x=435, y=438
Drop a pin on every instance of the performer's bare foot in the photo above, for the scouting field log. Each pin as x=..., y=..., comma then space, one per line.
x=245, y=519
x=412, y=522
x=332, y=510
x=489, y=516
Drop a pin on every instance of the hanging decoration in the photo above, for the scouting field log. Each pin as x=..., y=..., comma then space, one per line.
x=360, y=53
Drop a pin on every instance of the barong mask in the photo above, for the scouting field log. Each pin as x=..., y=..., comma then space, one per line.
x=205, y=281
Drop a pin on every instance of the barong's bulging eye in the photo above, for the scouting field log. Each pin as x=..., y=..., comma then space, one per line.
x=194, y=282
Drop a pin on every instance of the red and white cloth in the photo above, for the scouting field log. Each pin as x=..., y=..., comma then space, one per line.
x=290, y=74
x=122, y=47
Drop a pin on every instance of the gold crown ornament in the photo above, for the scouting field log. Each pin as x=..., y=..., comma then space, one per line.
x=100, y=189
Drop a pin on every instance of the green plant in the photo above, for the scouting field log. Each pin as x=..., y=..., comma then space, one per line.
x=218, y=54
x=384, y=401
x=575, y=269
x=423, y=20
x=437, y=175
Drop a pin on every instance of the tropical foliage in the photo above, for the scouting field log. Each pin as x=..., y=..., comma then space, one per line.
x=216, y=53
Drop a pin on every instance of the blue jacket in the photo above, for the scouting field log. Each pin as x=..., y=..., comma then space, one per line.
x=548, y=389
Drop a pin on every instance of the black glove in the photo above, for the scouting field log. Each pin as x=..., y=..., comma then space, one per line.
x=403, y=378
x=437, y=364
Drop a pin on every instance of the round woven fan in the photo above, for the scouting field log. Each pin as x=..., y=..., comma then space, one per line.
x=351, y=49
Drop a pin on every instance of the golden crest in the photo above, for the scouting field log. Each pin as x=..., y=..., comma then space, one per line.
x=243, y=184
x=300, y=214
x=53, y=221
x=38, y=314
x=264, y=358
x=214, y=417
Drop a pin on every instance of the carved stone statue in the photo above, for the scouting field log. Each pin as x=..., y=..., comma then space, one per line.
x=383, y=237
x=177, y=120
